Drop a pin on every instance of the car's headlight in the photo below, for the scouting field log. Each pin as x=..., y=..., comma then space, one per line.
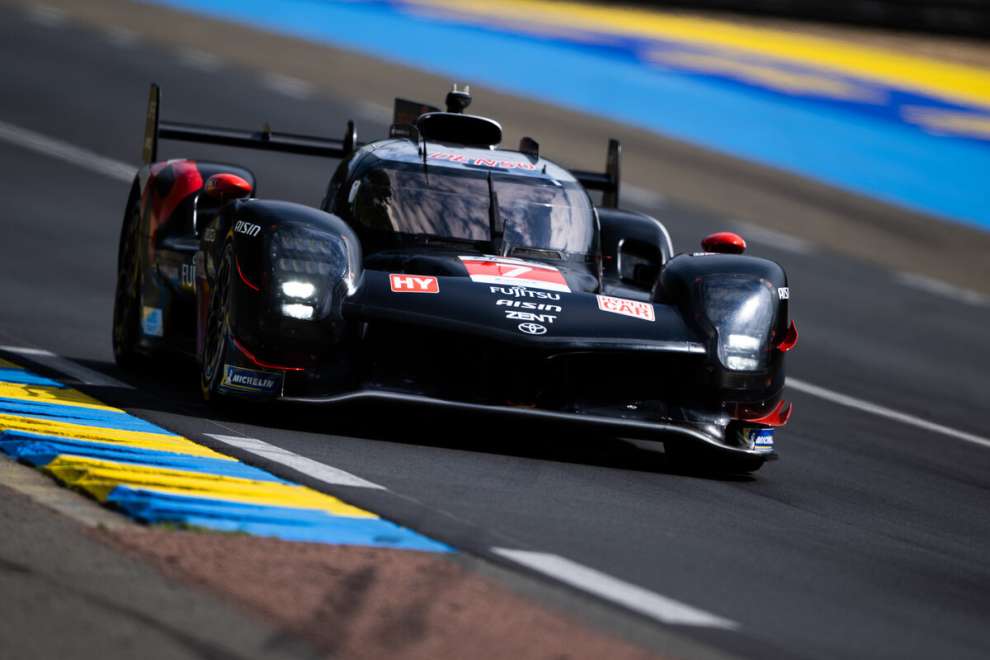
x=311, y=268
x=742, y=311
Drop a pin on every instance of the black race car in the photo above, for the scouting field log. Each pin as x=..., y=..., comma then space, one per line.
x=444, y=270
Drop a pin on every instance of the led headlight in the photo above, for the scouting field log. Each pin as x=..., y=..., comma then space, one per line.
x=311, y=267
x=298, y=289
x=297, y=311
x=742, y=311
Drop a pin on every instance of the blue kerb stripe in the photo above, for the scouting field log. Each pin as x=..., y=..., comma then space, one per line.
x=22, y=377
x=78, y=415
x=286, y=523
x=40, y=450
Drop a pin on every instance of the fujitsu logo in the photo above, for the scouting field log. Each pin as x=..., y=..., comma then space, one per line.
x=523, y=292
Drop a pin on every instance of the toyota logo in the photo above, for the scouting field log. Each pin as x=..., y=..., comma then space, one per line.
x=532, y=328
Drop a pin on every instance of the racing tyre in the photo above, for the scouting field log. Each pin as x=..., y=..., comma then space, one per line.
x=127, y=296
x=217, y=330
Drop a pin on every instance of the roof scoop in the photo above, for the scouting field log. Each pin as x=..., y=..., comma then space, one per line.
x=455, y=128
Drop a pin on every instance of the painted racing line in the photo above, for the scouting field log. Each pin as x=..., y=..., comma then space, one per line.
x=155, y=476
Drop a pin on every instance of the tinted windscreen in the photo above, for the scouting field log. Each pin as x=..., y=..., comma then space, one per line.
x=448, y=203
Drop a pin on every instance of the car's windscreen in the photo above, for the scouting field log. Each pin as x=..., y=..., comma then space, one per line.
x=443, y=202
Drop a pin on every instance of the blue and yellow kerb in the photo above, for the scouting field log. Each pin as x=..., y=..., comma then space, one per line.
x=155, y=476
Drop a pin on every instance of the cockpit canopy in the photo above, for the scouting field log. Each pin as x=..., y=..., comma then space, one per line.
x=535, y=212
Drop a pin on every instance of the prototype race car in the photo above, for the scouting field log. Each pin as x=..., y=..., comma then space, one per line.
x=444, y=270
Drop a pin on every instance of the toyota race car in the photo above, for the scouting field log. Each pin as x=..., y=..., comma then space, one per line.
x=444, y=270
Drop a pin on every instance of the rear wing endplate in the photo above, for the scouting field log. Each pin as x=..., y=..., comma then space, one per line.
x=607, y=182
x=156, y=128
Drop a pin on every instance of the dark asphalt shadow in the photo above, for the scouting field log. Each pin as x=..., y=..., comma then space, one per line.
x=172, y=387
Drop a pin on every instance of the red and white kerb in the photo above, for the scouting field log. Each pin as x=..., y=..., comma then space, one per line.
x=413, y=283
x=514, y=272
x=633, y=308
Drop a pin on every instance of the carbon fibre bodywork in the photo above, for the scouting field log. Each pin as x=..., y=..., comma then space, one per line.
x=541, y=309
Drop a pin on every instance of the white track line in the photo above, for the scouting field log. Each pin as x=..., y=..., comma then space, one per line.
x=644, y=197
x=200, y=60
x=653, y=605
x=48, y=16
x=74, y=370
x=774, y=239
x=376, y=112
x=122, y=37
x=23, y=137
x=943, y=289
x=319, y=471
x=288, y=86
x=881, y=411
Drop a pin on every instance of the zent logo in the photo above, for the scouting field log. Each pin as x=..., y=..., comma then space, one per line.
x=532, y=328
x=413, y=284
x=633, y=308
x=247, y=228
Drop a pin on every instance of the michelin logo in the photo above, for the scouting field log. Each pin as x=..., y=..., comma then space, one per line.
x=249, y=380
x=761, y=439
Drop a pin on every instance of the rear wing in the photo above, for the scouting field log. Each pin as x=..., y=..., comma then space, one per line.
x=406, y=114
x=266, y=140
x=607, y=182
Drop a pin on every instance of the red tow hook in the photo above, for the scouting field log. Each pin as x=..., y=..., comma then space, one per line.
x=776, y=417
x=790, y=338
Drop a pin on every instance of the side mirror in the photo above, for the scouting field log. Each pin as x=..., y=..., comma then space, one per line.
x=724, y=242
x=225, y=186
x=635, y=247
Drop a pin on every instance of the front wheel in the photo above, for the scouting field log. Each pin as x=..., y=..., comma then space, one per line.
x=217, y=330
x=127, y=296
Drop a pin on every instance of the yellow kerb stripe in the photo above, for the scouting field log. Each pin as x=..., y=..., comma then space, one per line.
x=99, y=478
x=910, y=72
x=141, y=439
x=63, y=396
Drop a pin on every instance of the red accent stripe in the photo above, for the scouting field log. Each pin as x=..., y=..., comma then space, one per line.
x=776, y=417
x=261, y=363
x=790, y=338
x=188, y=181
x=244, y=279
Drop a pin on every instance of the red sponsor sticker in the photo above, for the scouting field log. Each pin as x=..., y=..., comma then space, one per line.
x=413, y=283
x=514, y=272
x=633, y=308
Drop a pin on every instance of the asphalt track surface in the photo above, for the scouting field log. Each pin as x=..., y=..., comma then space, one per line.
x=868, y=539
